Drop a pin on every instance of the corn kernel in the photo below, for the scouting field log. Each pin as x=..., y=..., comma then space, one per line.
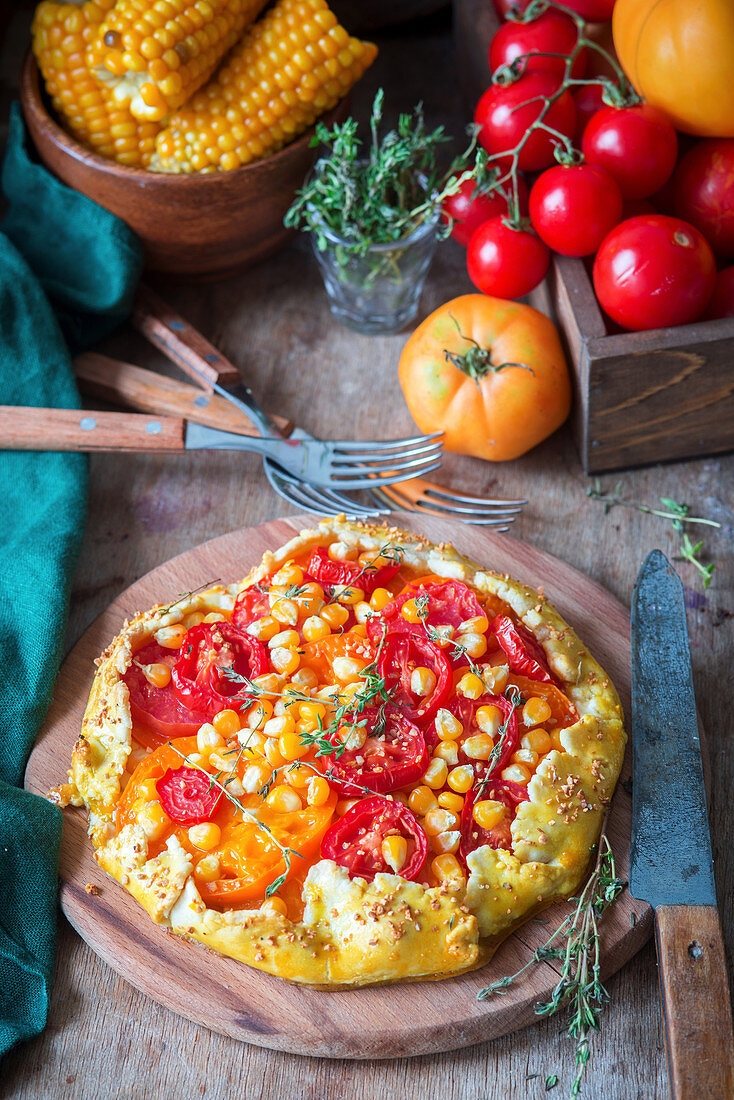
x=475, y=645
x=341, y=551
x=284, y=610
x=421, y=800
x=208, y=869
x=535, y=712
x=227, y=722
x=353, y=737
x=446, y=842
x=438, y=820
x=304, y=679
x=259, y=713
x=284, y=660
x=470, y=686
x=373, y=561
x=526, y=757
x=291, y=747
x=215, y=617
x=538, y=740
x=252, y=742
x=297, y=776
x=479, y=624
x=516, y=773
x=277, y=727
x=234, y=786
x=359, y=630
x=450, y=801
x=254, y=777
x=317, y=791
x=263, y=629
x=274, y=907
x=158, y=676
x=478, y=747
x=422, y=681
x=221, y=763
x=448, y=726
x=288, y=638
x=334, y=614
x=171, y=637
x=311, y=599
x=448, y=751
x=410, y=612
x=312, y=712
x=205, y=836
x=348, y=594
x=273, y=754
x=347, y=669
x=461, y=779
x=315, y=628
x=495, y=677
x=267, y=684
x=380, y=598
x=344, y=805
x=196, y=618
x=284, y=800
x=489, y=719
x=555, y=736
x=395, y=852
x=488, y=813
x=436, y=773
x=154, y=821
x=447, y=868
x=288, y=574
x=442, y=635
x=207, y=738
x=363, y=612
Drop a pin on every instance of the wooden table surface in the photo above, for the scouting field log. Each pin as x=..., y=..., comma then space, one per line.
x=104, y=1039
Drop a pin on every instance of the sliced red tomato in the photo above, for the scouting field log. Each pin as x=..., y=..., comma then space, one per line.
x=188, y=796
x=399, y=656
x=473, y=835
x=251, y=604
x=394, y=755
x=524, y=654
x=208, y=652
x=449, y=603
x=157, y=709
x=465, y=710
x=355, y=840
x=366, y=577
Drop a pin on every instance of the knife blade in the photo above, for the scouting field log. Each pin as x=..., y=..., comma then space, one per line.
x=671, y=864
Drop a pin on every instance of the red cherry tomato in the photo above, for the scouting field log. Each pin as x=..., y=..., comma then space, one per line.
x=251, y=604
x=158, y=709
x=469, y=212
x=722, y=300
x=637, y=145
x=505, y=262
x=553, y=32
x=704, y=192
x=321, y=567
x=573, y=207
x=505, y=114
x=394, y=754
x=399, y=656
x=473, y=836
x=594, y=11
x=208, y=652
x=652, y=272
x=355, y=840
x=188, y=796
x=524, y=654
x=587, y=100
x=466, y=709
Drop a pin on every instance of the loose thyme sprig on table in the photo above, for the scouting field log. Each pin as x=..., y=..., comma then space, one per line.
x=378, y=195
x=678, y=514
x=576, y=944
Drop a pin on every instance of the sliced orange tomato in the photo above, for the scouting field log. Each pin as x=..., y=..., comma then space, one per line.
x=319, y=656
x=563, y=712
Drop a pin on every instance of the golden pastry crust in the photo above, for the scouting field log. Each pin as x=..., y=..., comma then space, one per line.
x=352, y=932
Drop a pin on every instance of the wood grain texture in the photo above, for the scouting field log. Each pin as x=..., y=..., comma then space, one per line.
x=105, y=1038
x=392, y=1021
x=696, y=1002
x=147, y=391
x=27, y=429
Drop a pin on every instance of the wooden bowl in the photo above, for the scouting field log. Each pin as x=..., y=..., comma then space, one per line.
x=208, y=225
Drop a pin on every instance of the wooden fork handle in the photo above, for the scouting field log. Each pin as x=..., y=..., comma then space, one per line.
x=28, y=429
x=179, y=341
x=147, y=391
x=696, y=1002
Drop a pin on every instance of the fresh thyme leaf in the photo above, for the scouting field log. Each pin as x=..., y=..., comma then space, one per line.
x=185, y=596
x=551, y=1081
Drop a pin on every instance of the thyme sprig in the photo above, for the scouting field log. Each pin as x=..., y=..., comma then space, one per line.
x=246, y=813
x=576, y=944
x=516, y=699
x=678, y=513
x=185, y=596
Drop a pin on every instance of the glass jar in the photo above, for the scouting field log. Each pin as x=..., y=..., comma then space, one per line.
x=377, y=292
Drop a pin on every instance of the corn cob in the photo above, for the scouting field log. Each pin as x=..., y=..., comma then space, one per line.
x=293, y=65
x=62, y=34
x=154, y=54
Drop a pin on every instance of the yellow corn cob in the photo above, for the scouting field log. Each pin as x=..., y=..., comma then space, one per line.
x=62, y=33
x=293, y=65
x=154, y=54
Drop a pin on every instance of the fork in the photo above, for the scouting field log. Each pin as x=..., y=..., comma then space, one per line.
x=419, y=495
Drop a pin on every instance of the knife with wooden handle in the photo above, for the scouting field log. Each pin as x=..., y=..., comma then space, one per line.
x=671, y=865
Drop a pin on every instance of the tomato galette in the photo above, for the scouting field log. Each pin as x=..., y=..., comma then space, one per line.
x=367, y=762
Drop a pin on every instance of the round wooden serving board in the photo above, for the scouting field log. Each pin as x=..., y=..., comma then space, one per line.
x=378, y=1022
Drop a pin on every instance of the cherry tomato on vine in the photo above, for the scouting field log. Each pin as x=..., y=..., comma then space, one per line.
x=469, y=212
x=505, y=113
x=594, y=11
x=722, y=300
x=553, y=32
x=704, y=192
x=587, y=100
x=188, y=796
x=209, y=652
x=355, y=840
x=637, y=145
x=506, y=262
x=654, y=271
x=573, y=207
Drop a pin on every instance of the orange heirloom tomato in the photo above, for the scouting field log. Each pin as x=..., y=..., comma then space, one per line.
x=679, y=55
x=489, y=373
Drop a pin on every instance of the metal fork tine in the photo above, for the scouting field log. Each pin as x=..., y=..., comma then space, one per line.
x=379, y=460
x=314, y=500
x=349, y=445
x=347, y=482
x=372, y=469
x=478, y=501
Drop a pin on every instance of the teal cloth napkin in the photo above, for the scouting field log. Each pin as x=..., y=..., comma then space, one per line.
x=68, y=271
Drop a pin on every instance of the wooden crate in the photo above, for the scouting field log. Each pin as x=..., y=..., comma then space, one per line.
x=639, y=397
